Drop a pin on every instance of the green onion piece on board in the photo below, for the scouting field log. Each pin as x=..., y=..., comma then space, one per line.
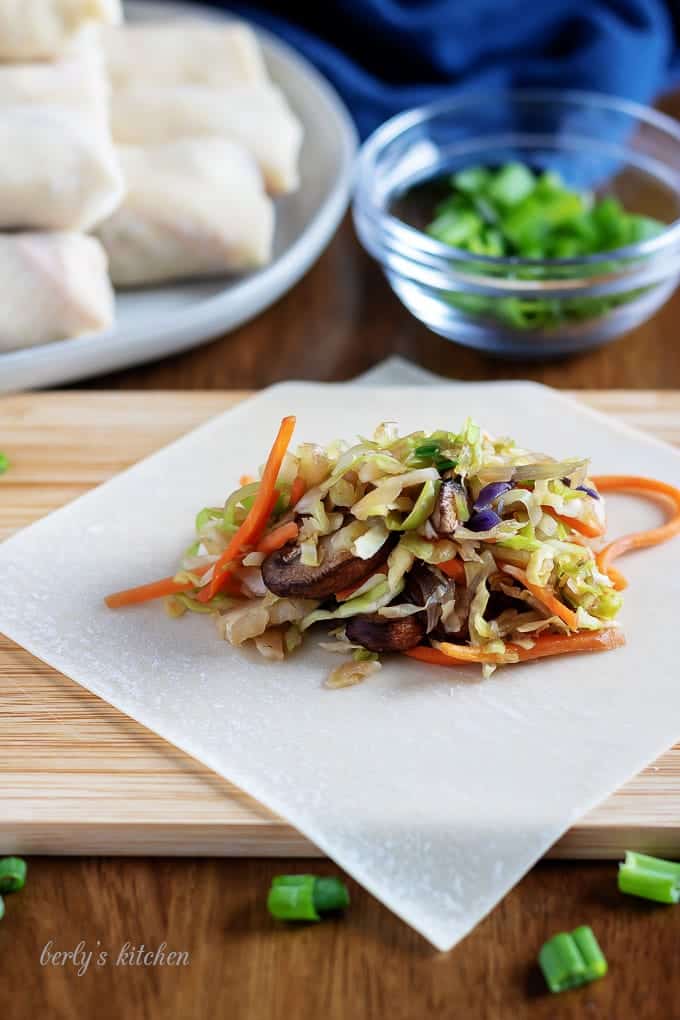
x=569, y=961
x=305, y=897
x=4, y=463
x=650, y=877
x=2, y=908
x=291, y=898
x=330, y=894
x=12, y=874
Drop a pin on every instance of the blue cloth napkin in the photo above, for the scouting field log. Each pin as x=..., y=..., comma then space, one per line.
x=384, y=56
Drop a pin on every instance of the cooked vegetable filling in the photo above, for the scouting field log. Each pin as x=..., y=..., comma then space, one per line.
x=451, y=547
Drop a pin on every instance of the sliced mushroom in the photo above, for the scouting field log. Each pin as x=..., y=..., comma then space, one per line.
x=499, y=602
x=422, y=583
x=445, y=514
x=284, y=574
x=379, y=634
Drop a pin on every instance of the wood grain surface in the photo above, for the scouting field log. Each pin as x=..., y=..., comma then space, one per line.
x=77, y=776
x=365, y=966
x=339, y=320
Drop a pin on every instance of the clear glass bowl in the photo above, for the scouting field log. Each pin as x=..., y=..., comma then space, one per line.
x=596, y=142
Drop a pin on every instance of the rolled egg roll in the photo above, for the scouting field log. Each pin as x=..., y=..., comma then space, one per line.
x=183, y=52
x=257, y=116
x=43, y=29
x=77, y=80
x=193, y=207
x=54, y=286
x=59, y=169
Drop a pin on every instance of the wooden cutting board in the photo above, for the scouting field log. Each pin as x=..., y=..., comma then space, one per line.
x=77, y=776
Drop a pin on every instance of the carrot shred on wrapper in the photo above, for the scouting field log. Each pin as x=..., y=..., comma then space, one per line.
x=154, y=590
x=546, y=645
x=248, y=536
x=637, y=539
x=256, y=519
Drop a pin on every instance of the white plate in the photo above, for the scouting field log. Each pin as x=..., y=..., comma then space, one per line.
x=163, y=320
x=436, y=789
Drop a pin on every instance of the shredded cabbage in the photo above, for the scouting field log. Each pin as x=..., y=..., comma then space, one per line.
x=368, y=544
x=381, y=499
x=379, y=595
x=399, y=562
x=537, y=470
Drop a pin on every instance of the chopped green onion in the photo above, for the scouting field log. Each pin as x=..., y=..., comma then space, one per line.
x=511, y=184
x=291, y=898
x=471, y=180
x=2, y=908
x=432, y=452
x=549, y=182
x=456, y=227
x=330, y=894
x=650, y=877
x=12, y=874
x=305, y=897
x=568, y=961
x=511, y=211
x=4, y=463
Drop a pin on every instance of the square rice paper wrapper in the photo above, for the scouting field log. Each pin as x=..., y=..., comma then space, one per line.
x=435, y=789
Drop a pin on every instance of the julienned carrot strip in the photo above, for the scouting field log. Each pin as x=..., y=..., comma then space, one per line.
x=582, y=527
x=637, y=539
x=256, y=519
x=545, y=646
x=158, y=590
x=264, y=504
x=278, y=537
x=297, y=490
x=229, y=565
x=147, y=592
x=454, y=568
x=459, y=655
x=545, y=596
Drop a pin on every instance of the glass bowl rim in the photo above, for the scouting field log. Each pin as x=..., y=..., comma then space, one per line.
x=418, y=242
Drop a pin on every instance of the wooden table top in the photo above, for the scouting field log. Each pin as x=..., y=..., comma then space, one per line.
x=338, y=321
